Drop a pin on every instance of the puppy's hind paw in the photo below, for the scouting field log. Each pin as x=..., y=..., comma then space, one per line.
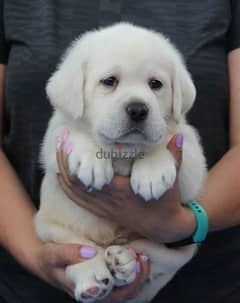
x=121, y=263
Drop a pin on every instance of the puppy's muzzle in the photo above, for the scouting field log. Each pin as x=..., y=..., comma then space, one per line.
x=137, y=111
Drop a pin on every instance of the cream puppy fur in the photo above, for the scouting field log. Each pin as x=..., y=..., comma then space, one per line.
x=119, y=85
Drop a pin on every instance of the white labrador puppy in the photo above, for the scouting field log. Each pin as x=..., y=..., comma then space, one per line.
x=119, y=85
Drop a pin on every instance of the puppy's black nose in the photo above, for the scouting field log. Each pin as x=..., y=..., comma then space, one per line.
x=137, y=111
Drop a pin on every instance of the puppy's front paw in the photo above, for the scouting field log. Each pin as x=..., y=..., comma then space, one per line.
x=88, y=167
x=152, y=177
x=121, y=263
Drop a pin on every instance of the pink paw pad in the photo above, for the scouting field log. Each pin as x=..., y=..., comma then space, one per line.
x=93, y=291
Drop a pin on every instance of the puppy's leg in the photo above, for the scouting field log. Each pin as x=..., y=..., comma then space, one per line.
x=86, y=163
x=154, y=174
x=85, y=159
x=164, y=263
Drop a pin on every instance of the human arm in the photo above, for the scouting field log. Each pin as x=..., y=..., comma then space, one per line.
x=222, y=192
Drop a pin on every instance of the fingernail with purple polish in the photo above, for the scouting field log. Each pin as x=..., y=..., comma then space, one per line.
x=179, y=141
x=68, y=149
x=88, y=252
x=138, y=267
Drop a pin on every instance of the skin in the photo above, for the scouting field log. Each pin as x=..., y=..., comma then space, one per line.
x=222, y=206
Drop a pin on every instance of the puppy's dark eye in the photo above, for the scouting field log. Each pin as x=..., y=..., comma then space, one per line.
x=155, y=84
x=110, y=81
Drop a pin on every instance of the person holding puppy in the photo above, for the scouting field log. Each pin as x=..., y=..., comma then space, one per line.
x=33, y=37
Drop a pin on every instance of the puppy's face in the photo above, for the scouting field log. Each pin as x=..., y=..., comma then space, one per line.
x=125, y=82
x=128, y=95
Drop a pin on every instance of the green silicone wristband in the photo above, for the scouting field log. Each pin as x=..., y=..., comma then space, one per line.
x=201, y=231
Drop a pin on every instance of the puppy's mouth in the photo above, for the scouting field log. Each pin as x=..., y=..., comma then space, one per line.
x=131, y=136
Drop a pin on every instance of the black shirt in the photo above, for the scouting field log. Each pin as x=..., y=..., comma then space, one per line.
x=33, y=36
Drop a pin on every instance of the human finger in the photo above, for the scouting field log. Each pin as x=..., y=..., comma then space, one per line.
x=175, y=146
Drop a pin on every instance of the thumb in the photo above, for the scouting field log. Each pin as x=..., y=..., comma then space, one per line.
x=175, y=146
x=67, y=254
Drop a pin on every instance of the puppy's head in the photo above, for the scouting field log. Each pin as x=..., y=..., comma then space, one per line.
x=125, y=82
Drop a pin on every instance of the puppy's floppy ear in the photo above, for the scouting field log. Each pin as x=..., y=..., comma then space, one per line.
x=65, y=88
x=184, y=91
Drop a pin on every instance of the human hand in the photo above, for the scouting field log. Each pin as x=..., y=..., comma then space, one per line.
x=165, y=220
x=49, y=261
